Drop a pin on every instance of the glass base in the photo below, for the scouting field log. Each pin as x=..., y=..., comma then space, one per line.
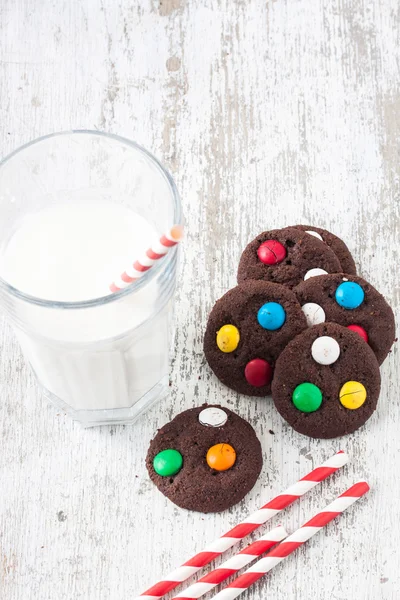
x=111, y=416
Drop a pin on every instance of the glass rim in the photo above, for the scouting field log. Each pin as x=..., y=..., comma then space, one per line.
x=148, y=275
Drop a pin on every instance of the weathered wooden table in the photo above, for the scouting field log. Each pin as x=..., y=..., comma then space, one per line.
x=267, y=114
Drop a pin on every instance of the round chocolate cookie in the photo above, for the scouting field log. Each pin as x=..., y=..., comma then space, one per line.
x=206, y=459
x=352, y=302
x=247, y=330
x=338, y=246
x=326, y=382
x=287, y=256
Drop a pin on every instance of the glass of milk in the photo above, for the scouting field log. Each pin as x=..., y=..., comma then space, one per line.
x=76, y=209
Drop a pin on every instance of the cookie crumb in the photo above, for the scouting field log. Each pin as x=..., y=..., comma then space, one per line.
x=272, y=432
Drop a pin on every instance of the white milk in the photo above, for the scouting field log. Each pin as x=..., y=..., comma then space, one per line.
x=73, y=251
x=102, y=357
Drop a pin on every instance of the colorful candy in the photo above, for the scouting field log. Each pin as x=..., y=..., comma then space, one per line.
x=352, y=395
x=349, y=295
x=258, y=372
x=325, y=350
x=271, y=252
x=228, y=338
x=168, y=462
x=314, y=313
x=307, y=397
x=314, y=273
x=221, y=457
x=360, y=330
x=271, y=316
x=213, y=417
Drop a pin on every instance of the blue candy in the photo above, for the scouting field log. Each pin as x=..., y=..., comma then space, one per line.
x=349, y=295
x=271, y=316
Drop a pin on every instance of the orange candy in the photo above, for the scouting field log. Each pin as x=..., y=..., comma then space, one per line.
x=221, y=457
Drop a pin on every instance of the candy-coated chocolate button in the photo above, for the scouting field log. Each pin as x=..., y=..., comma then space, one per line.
x=349, y=295
x=315, y=234
x=271, y=316
x=307, y=397
x=168, y=462
x=352, y=395
x=360, y=330
x=325, y=350
x=221, y=457
x=314, y=313
x=213, y=417
x=258, y=372
x=228, y=338
x=271, y=252
x=314, y=273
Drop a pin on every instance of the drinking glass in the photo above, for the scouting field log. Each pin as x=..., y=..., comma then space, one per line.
x=103, y=360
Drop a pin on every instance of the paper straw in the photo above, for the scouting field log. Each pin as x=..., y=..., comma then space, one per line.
x=235, y=535
x=294, y=541
x=158, y=250
x=234, y=564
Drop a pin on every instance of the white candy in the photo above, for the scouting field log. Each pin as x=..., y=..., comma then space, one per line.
x=325, y=350
x=315, y=234
x=213, y=417
x=314, y=313
x=314, y=273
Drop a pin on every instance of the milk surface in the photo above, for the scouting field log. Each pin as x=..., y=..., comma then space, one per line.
x=102, y=357
x=73, y=251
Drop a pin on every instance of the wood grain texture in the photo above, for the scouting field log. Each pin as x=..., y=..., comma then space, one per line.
x=267, y=113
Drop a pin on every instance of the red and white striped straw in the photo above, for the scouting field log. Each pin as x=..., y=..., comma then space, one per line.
x=235, y=535
x=159, y=249
x=294, y=541
x=234, y=564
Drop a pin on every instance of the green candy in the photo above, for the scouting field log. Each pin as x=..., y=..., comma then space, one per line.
x=307, y=397
x=167, y=463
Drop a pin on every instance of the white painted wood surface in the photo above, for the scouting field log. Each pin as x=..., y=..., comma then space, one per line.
x=267, y=113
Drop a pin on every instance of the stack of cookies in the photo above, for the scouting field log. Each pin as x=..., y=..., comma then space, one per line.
x=303, y=326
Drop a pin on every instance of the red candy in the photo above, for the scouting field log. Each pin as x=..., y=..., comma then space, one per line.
x=360, y=330
x=258, y=372
x=271, y=252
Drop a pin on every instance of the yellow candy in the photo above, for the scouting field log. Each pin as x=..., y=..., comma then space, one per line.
x=352, y=395
x=228, y=338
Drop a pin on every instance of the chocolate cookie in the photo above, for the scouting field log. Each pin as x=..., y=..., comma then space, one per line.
x=338, y=246
x=206, y=459
x=326, y=382
x=352, y=302
x=287, y=256
x=247, y=330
